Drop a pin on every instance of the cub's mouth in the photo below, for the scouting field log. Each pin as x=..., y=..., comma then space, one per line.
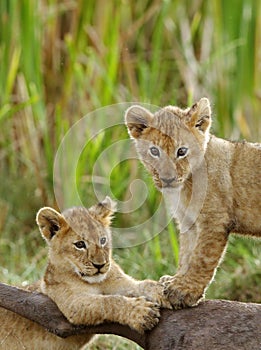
x=97, y=277
x=168, y=183
x=84, y=274
x=161, y=186
x=101, y=268
x=94, y=274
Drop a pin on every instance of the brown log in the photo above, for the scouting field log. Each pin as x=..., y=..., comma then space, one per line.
x=214, y=324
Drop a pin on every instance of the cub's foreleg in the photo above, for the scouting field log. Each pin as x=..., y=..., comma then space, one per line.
x=188, y=286
x=138, y=313
x=151, y=290
x=125, y=285
x=187, y=242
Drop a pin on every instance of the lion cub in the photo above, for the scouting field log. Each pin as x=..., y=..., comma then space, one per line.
x=83, y=280
x=211, y=186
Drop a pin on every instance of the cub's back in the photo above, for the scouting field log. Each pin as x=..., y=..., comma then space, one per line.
x=246, y=179
x=17, y=332
x=234, y=172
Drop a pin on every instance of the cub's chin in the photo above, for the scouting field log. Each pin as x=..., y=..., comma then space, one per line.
x=97, y=278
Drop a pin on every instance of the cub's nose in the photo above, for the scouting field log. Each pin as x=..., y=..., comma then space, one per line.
x=98, y=266
x=168, y=181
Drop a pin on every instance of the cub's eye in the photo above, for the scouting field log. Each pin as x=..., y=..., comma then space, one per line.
x=103, y=240
x=80, y=245
x=154, y=151
x=182, y=151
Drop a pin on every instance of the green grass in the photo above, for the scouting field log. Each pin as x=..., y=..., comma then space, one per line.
x=63, y=60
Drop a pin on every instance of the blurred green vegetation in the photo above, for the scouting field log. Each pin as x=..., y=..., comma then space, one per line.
x=63, y=59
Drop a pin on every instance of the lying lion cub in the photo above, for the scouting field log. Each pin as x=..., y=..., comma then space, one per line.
x=84, y=281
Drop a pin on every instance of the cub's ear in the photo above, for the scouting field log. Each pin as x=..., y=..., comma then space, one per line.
x=50, y=222
x=137, y=119
x=103, y=211
x=199, y=115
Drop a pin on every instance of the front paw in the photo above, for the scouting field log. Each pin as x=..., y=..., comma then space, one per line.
x=144, y=315
x=159, y=296
x=181, y=292
x=165, y=278
x=154, y=292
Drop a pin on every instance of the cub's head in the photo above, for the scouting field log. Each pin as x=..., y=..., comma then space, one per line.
x=171, y=143
x=79, y=239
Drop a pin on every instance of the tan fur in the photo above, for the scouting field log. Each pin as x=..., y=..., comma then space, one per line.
x=84, y=281
x=212, y=190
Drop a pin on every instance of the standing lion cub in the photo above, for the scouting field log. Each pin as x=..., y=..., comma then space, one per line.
x=211, y=186
x=83, y=280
